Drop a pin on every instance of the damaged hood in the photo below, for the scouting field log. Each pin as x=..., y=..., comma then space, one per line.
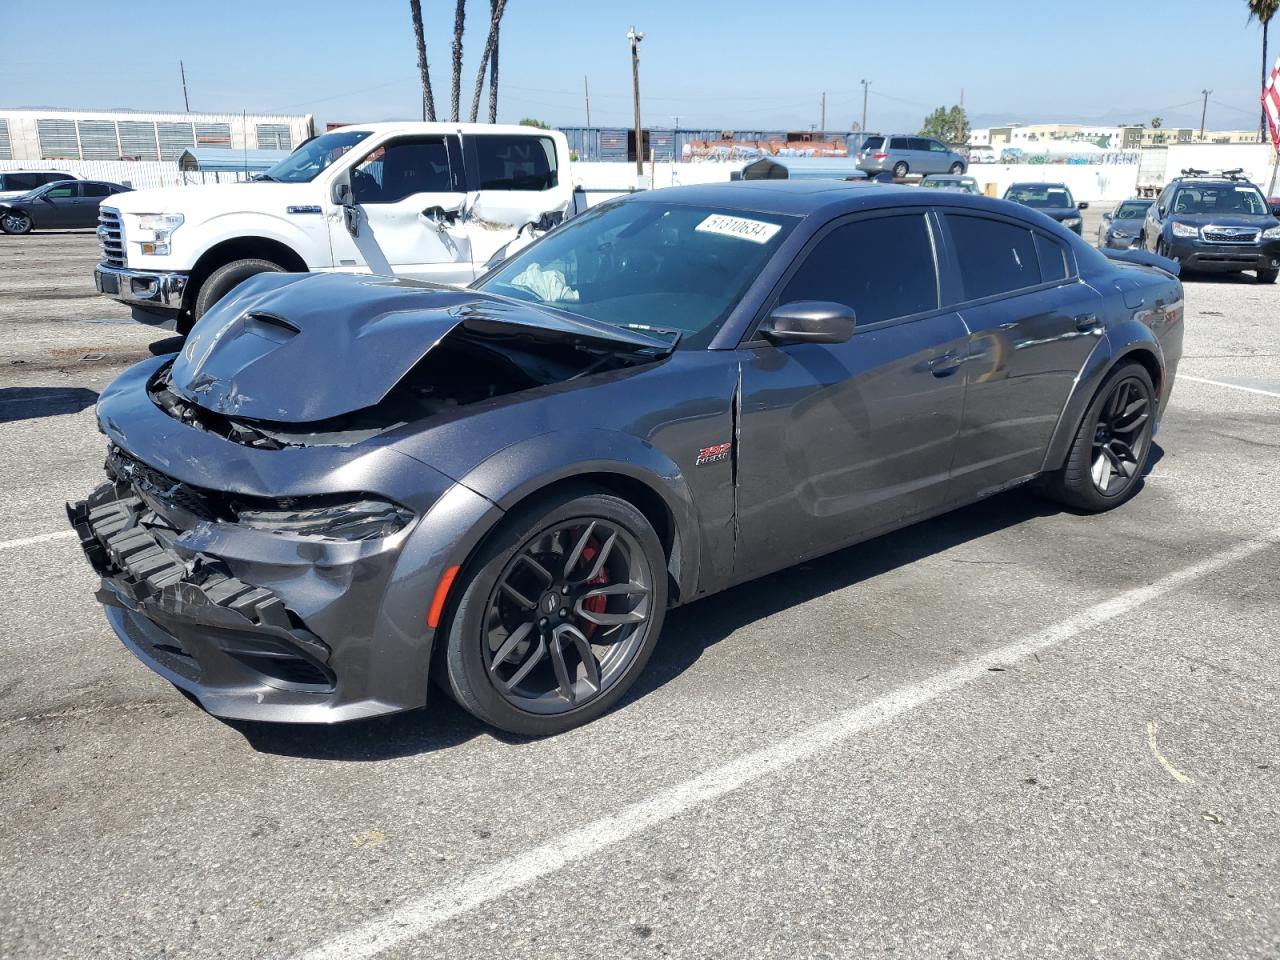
x=300, y=348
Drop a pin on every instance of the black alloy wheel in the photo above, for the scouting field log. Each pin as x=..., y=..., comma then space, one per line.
x=558, y=615
x=1108, y=456
x=15, y=222
x=1121, y=437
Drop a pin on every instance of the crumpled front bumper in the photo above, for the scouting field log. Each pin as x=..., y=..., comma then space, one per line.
x=236, y=647
x=156, y=290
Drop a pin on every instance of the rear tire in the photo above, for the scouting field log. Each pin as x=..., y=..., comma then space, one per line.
x=16, y=223
x=543, y=685
x=1268, y=276
x=900, y=169
x=1120, y=418
x=225, y=279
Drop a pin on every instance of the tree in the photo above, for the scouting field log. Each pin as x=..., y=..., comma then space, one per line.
x=1157, y=123
x=459, y=23
x=493, y=72
x=496, y=8
x=951, y=125
x=428, y=101
x=530, y=122
x=1263, y=11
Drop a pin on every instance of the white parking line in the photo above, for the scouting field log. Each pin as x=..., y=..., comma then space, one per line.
x=428, y=911
x=42, y=538
x=1230, y=386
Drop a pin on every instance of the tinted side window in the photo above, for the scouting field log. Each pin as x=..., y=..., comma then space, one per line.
x=899, y=143
x=400, y=170
x=1052, y=257
x=937, y=147
x=919, y=143
x=97, y=190
x=995, y=257
x=23, y=181
x=53, y=177
x=516, y=163
x=62, y=192
x=882, y=268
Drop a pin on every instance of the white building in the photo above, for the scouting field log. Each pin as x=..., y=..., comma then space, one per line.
x=30, y=136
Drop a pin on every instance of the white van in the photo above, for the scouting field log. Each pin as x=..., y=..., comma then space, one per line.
x=428, y=201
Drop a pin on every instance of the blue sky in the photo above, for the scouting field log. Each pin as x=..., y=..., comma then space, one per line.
x=736, y=63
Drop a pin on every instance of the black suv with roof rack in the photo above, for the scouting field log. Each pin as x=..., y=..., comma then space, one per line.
x=1215, y=222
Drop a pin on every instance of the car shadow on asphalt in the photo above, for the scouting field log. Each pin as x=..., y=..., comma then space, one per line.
x=32, y=403
x=688, y=632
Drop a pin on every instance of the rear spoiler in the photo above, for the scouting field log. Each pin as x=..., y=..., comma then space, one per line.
x=1145, y=259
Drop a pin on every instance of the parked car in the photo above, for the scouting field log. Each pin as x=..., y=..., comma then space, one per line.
x=1052, y=199
x=983, y=154
x=948, y=182
x=344, y=487
x=64, y=205
x=1219, y=223
x=427, y=201
x=903, y=155
x=1274, y=204
x=1121, y=225
x=14, y=183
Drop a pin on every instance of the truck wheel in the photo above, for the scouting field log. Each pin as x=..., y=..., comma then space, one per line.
x=225, y=279
x=1268, y=276
x=15, y=221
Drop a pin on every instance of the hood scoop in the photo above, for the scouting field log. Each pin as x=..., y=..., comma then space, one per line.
x=302, y=348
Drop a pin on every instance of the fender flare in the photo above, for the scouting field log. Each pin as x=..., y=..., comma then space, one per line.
x=1127, y=339
x=532, y=465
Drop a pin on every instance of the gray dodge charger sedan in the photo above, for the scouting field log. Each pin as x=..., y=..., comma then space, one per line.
x=346, y=487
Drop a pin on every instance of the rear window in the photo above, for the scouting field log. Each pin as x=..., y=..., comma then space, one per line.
x=995, y=257
x=872, y=143
x=516, y=163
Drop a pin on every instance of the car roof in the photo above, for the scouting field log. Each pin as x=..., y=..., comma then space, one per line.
x=1036, y=183
x=803, y=198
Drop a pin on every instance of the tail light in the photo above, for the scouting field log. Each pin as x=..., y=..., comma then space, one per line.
x=880, y=156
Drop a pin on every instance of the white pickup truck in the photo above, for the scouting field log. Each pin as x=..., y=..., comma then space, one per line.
x=430, y=201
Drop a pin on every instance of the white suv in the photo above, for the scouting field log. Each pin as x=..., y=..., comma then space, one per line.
x=428, y=201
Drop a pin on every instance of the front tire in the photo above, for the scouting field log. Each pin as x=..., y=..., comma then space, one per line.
x=957, y=168
x=1268, y=276
x=16, y=223
x=558, y=615
x=1105, y=464
x=225, y=279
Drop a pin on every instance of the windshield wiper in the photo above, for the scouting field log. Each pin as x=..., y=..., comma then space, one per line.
x=675, y=335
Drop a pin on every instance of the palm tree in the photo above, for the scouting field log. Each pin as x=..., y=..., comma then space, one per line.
x=459, y=21
x=496, y=8
x=1263, y=11
x=493, y=71
x=428, y=101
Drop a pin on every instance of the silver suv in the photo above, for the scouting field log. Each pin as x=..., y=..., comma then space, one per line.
x=902, y=155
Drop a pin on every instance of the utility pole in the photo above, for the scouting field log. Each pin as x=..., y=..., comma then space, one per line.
x=865, y=85
x=185, y=102
x=824, y=114
x=1203, y=110
x=635, y=37
x=586, y=93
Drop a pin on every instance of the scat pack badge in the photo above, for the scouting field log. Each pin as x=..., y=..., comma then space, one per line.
x=713, y=454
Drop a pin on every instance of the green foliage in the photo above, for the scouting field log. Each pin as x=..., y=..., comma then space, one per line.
x=530, y=122
x=1156, y=123
x=950, y=126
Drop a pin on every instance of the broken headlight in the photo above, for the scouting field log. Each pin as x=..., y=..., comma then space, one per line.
x=366, y=519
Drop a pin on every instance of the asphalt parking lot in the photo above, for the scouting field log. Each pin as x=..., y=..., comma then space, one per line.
x=1010, y=732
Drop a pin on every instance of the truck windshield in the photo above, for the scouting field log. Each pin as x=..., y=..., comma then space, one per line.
x=646, y=265
x=305, y=163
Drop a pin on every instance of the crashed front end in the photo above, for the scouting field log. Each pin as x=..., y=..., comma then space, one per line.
x=264, y=541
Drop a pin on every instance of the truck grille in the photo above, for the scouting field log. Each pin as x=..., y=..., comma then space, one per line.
x=111, y=237
x=1215, y=234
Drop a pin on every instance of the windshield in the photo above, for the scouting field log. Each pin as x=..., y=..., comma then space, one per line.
x=1220, y=198
x=1041, y=197
x=1132, y=210
x=645, y=265
x=308, y=160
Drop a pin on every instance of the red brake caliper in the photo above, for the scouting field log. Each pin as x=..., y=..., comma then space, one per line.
x=594, y=604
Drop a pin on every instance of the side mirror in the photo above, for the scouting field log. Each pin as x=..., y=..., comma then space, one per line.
x=1082, y=205
x=340, y=193
x=809, y=321
x=1160, y=210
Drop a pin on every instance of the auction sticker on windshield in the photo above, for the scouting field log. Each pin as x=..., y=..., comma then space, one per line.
x=757, y=231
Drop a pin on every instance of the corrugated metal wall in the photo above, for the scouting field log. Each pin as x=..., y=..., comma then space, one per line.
x=6, y=150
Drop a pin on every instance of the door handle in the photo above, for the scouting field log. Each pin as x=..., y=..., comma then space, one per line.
x=1086, y=322
x=946, y=364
